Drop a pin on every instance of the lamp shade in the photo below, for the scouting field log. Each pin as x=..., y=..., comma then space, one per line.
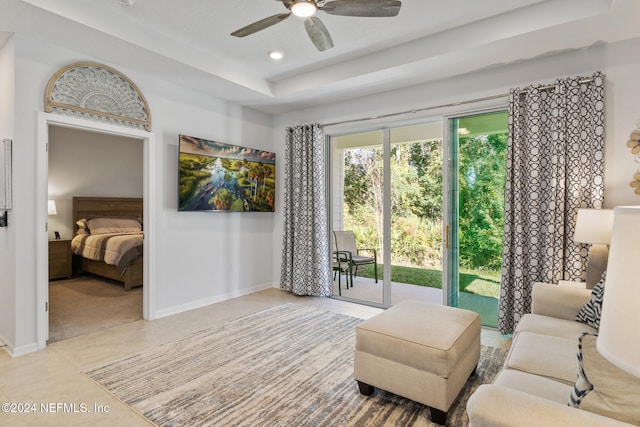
x=619, y=332
x=51, y=207
x=593, y=226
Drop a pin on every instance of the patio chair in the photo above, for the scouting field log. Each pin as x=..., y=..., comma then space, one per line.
x=341, y=264
x=345, y=241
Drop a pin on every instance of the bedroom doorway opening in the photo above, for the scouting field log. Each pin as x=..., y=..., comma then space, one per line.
x=89, y=295
x=51, y=123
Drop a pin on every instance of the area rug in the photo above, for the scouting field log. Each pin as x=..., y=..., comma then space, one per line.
x=290, y=365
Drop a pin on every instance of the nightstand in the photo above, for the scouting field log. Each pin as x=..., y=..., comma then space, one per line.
x=59, y=259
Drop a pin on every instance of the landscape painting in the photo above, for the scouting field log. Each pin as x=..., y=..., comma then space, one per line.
x=214, y=176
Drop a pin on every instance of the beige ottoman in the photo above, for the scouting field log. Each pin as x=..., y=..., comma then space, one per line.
x=424, y=352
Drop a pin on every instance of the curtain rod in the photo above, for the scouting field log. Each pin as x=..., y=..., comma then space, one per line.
x=453, y=104
x=551, y=86
x=417, y=110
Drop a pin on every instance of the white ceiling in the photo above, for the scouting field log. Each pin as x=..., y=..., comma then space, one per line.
x=188, y=42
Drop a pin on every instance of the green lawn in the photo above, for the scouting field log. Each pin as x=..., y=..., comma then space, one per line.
x=475, y=282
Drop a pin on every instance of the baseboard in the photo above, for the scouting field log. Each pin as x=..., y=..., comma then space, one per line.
x=208, y=301
x=17, y=351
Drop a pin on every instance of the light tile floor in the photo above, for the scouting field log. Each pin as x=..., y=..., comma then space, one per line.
x=49, y=387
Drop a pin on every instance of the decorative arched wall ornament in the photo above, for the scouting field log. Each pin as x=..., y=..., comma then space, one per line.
x=97, y=92
x=634, y=144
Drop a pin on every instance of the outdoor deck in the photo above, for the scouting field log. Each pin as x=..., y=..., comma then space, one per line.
x=365, y=289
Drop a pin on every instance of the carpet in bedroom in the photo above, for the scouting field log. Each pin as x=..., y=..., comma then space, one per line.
x=289, y=365
x=88, y=303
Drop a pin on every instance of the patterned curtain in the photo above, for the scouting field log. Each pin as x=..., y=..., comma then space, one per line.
x=306, y=264
x=555, y=163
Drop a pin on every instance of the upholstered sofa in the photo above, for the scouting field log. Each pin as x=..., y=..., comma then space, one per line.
x=534, y=387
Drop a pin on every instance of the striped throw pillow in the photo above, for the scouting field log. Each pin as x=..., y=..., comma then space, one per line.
x=582, y=385
x=590, y=313
x=603, y=388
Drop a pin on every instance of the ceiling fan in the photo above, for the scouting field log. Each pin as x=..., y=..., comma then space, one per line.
x=316, y=30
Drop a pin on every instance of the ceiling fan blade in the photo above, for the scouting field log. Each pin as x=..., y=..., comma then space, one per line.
x=318, y=33
x=260, y=25
x=364, y=8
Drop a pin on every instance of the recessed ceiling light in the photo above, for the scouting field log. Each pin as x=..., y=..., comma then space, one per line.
x=303, y=8
x=127, y=3
x=276, y=55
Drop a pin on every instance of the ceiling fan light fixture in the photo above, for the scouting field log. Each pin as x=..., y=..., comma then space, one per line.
x=304, y=8
x=316, y=30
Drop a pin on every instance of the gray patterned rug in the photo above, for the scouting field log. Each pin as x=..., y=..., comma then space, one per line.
x=290, y=365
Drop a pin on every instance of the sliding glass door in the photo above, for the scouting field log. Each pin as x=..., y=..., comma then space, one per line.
x=475, y=206
x=427, y=202
x=387, y=190
x=357, y=210
x=415, y=212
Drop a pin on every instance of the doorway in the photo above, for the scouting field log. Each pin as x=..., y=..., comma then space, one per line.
x=85, y=163
x=45, y=121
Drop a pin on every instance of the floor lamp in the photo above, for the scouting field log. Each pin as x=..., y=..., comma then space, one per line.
x=593, y=226
x=619, y=333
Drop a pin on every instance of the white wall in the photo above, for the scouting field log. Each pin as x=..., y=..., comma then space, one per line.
x=620, y=62
x=83, y=163
x=209, y=256
x=200, y=258
x=7, y=234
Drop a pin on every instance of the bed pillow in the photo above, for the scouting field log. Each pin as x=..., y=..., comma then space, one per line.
x=113, y=225
x=590, y=313
x=82, y=226
x=602, y=387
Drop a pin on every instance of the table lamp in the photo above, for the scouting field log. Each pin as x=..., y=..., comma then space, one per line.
x=593, y=226
x=619, y=332
x=51, y=208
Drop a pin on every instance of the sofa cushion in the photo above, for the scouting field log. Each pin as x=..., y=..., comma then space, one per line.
x=548, y=356
x=590, y=313
x=533, y=384
x=492, y=405
x=610, y=391
x=562, y=302
x=546, y=325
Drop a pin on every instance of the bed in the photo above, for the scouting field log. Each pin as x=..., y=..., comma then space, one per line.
x=115, y=237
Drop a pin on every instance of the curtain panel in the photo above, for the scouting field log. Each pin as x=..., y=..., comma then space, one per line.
x=306, y=264
x=555, y=164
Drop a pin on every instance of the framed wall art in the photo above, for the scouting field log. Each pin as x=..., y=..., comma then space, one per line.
x=215, y=176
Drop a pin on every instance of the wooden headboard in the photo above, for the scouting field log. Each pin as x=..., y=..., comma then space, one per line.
x=91, y=207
